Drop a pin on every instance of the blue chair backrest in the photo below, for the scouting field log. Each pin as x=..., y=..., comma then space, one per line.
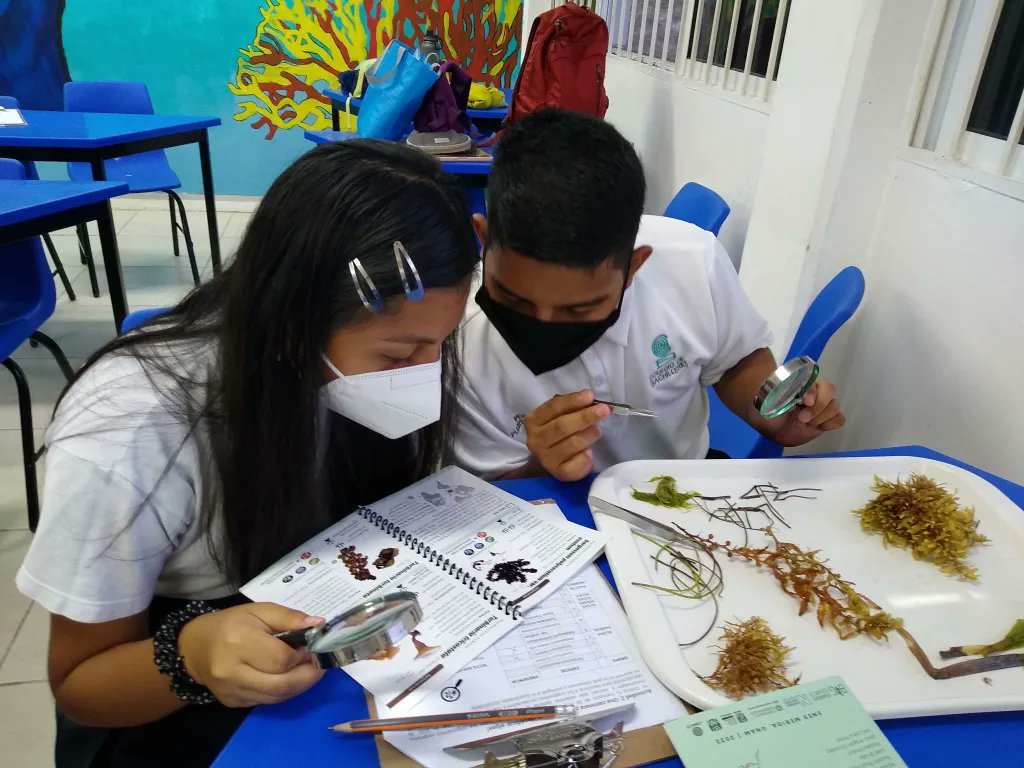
x=108, y=96
x=699, y=205
x=11, y=170
x=134, y=319
x=10, y=102
x=830, y=309
x=26, y=285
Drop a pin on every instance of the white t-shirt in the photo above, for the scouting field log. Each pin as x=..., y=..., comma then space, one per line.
x=685, y=321
x=102, y=549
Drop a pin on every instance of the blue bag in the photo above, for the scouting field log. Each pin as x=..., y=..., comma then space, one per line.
x=400, y=80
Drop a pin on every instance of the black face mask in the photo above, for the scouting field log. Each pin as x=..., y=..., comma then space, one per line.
x=539, y=345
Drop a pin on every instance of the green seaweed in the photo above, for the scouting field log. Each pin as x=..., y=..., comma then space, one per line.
x=666, y=495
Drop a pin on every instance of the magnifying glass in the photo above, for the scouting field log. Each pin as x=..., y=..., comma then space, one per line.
x=359, y=633
x=786, y=387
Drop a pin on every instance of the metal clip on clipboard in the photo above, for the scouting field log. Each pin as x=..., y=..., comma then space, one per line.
x=573, y=743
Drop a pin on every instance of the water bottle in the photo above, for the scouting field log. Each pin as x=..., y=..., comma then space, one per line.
x=431, y=47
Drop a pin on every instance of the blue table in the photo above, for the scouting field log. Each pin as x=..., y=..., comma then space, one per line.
x=472, y=174
x=339, y=100
x=92, y=137
x=34, y=208
x=271, y=736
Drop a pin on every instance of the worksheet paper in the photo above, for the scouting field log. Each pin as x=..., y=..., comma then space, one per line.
x=813, y=724
x=576, y=648
x=11, y=117
x=475, y=556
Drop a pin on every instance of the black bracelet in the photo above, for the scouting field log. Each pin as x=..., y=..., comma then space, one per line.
x=171, y=663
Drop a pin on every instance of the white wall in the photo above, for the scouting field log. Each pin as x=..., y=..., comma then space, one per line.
x=822, y=65
x=684, y=134
x=936, y=354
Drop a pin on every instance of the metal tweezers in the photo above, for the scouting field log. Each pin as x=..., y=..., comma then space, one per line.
x=621, y=409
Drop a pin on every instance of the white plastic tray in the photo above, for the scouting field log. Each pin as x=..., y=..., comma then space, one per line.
x=939, y=610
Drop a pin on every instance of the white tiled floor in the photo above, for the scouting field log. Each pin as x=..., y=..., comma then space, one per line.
x=153, y=277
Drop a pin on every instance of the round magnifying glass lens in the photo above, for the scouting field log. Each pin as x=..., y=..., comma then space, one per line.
x=386, y=615
x=787, y=386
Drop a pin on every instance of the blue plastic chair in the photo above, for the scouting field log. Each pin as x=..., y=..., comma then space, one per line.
x=9, y=102
x=27, y=299
x=831, y=308
x=699, y=205
x=134, y=319
x=142, y=172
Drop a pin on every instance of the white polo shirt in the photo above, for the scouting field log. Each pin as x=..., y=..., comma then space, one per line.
x=685, y=321
x=121, y=518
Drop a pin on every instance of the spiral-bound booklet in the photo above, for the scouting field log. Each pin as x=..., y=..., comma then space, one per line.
x=476, y=557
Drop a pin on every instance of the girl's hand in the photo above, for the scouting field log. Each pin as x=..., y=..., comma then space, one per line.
x=234, y=654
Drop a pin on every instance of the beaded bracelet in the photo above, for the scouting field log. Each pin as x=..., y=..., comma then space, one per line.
x=171, y=663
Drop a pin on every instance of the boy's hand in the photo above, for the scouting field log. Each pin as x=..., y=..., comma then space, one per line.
x=819, y=413
x=560, y=432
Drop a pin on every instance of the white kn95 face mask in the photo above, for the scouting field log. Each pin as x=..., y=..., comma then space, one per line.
x=392, y=403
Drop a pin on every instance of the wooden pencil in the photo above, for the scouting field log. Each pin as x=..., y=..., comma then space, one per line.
x=455, y=718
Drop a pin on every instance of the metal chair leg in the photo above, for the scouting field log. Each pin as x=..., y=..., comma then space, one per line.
x=57, y=352
x=188, y=237
x=174, y=222
x=28, y=449
x=86, y=249
x=58, y=267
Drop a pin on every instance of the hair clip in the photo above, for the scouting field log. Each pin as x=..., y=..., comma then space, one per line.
x=413, y=290
x=374, y=302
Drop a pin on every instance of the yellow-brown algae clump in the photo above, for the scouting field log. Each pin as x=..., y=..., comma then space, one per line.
x=751, y=660
x=919, y=514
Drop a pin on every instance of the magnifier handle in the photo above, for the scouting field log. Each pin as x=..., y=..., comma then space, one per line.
x=296, y=638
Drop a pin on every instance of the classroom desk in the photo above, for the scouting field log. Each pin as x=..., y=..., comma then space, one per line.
x=270, y=736
x=490, y=117
x=472, y=174
x=92, y=137
x=33, y=208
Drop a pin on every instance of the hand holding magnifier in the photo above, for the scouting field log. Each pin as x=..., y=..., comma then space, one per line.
x=361, y=632
x=786, y=387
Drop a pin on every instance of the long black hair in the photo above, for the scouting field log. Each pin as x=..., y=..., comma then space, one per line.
x=267, y=318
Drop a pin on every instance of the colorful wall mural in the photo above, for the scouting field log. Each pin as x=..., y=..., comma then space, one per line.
x=259, y=65
x=301, y=46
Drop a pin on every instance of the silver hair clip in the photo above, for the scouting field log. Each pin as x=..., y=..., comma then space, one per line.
x=370, y=297
x=413, y=290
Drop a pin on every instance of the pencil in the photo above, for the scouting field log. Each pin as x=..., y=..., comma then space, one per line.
x=455, y=718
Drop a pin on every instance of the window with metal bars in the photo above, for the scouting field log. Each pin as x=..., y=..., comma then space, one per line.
x=972, y=105
x=746, y=33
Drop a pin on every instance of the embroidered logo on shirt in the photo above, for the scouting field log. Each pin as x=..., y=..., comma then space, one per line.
x=520, y=419
x=662, y=350
x=668, y=362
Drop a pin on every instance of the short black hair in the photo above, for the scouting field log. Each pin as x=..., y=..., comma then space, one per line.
x=565, y=188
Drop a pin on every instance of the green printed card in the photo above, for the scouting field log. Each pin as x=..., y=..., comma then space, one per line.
x=807, y=726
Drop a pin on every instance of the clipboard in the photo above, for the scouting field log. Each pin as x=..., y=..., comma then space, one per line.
x=647, y=745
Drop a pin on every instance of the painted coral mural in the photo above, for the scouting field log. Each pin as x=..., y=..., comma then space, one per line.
x=301, y=46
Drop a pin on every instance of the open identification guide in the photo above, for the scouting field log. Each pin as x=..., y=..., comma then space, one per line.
x=476, y=557
x=576, y=648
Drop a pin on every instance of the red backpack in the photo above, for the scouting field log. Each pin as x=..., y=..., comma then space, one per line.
x=564, y=64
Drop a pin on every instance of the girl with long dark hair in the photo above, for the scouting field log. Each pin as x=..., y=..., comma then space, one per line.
x=315, y=374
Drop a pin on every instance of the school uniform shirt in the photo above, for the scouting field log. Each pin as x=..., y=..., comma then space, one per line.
x=120, y=521
x=685, y=321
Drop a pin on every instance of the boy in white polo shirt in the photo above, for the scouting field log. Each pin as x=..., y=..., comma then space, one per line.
x=584, y=298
